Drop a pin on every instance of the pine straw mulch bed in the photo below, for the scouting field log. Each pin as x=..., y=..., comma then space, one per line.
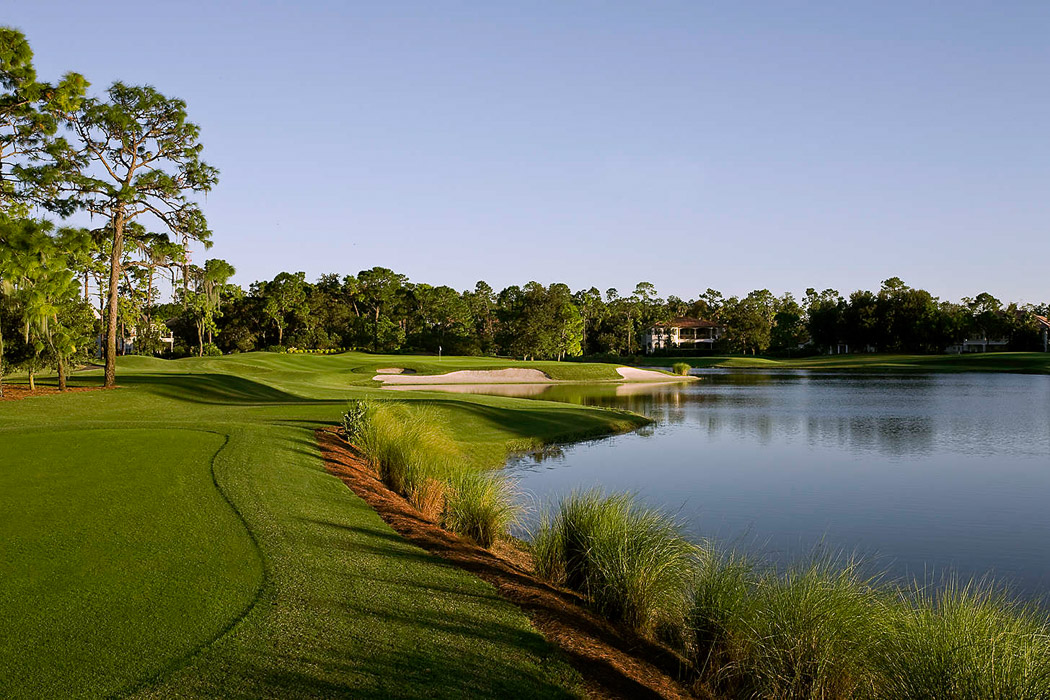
x=613, y=663
x=15, y=392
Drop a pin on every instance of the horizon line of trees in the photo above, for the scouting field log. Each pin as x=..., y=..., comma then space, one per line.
x=380, y=310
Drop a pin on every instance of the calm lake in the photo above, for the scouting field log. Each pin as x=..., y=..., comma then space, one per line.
x=922, y=474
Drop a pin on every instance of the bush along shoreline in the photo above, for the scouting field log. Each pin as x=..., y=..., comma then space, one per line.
x=415, y=457
x=819, y=628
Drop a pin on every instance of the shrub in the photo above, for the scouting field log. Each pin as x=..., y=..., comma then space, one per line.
x=480, y=505
x=681, y=368
x=276, y=348
x=353, y=419
x=632, y=562
x=212, y=350
x=965, y=641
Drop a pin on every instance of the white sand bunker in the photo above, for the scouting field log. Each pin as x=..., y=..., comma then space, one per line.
x=515, y=390
x=394, y=370
x=633, y=374
x=489, y=376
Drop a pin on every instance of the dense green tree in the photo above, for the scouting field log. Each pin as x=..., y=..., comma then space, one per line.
x=748, y=322
x=381, y=292
x=592, y=312
x=282, y=297
x=443, y=321
x=481, y=304
x=825, y=312
x=39, y=272
x=859, y=323
x=30, y=114
x=203, y=297
x=789, y=325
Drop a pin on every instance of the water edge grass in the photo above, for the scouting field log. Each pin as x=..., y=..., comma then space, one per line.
x=414, y=455
x=632, y=562
x=822, y=627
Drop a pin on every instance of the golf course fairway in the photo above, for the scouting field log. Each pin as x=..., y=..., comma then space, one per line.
x=179, y=537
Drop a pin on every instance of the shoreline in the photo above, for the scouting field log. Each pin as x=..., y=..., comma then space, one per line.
x=613, y=663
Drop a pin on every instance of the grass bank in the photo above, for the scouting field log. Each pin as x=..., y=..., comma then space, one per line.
x=226, y=561
x=1016, y=362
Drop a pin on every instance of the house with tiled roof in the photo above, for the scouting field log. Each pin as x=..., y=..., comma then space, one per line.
x=683, y=333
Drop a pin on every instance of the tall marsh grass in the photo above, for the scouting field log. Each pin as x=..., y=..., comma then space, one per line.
x=824, y=629
x=681, y=368
x=821, y=628
x=480, y=505
x=416, y=457
x=631, y=562
x=965, y=641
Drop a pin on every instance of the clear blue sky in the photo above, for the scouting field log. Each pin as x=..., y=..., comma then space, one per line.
x=732, y=145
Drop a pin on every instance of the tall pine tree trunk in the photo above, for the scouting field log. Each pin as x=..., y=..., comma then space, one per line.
x=149, y=312
x=113, y=309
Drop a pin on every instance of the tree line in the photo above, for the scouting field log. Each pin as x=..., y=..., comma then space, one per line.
x=131, y=159
x=382, y=311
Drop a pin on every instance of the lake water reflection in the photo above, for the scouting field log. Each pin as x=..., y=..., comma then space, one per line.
x=924, y=473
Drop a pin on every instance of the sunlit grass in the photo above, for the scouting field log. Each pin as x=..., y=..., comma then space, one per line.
x=965, y=641
x=413, y=454
x=632, y=562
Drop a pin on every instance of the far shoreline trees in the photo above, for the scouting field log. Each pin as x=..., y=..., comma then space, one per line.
x=382, y=311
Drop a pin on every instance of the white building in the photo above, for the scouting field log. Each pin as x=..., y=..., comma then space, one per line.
x=684, y=333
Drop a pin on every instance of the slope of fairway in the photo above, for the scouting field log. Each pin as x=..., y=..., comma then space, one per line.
x=346, y=607
x=118, y=557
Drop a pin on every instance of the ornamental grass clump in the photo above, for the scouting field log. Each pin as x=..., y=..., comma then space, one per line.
x=681, y=368
x=630, y=561
x=414, y=456
x=481, y=505
x=965, y=641
x=721, y=619
x=409, y=452
x=816, y=629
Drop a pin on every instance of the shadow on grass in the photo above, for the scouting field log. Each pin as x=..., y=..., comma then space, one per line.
x=404, y=672
x=217, y=389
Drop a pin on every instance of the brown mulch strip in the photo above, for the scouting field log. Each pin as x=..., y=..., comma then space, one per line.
x=612, y=662
x=15, y=392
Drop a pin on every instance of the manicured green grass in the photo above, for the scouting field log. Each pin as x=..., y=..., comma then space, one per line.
x=137, y=510
x=174, y=568
x=1020, y=362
